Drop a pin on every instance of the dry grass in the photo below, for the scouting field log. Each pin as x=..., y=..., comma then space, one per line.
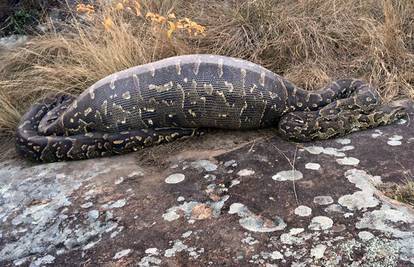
x=403, y=192
x=307, y=41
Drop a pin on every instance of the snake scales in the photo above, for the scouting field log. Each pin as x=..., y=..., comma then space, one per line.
x=172, y=98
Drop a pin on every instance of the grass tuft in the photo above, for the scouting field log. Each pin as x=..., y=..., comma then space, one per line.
x=403, y=192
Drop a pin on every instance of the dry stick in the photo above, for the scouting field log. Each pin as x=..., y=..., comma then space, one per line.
x=251, y=148
x=254, y=142
x=293, y=168
x=293, y=181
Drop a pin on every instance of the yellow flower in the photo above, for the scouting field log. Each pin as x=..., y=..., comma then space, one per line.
x=149, y=15
x=199, y=29
x=108, y=24
x=187, y=20
x=174, y=24
x=119, y=6
x=82, y=8
x=156, y=17
x=171, y=28
x=179, y=25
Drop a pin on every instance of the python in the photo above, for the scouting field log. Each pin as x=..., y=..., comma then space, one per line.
x=176, y=97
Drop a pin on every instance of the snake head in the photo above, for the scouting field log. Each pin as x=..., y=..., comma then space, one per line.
x=298, y=126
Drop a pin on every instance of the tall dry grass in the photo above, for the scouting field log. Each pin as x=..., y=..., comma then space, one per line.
x=308, y=41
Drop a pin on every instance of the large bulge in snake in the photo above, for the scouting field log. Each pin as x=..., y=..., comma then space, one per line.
x=186, y=91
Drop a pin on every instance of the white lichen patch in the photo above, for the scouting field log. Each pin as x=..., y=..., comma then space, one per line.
x=175, y=178
x=395, y=140
x=303, y=211
x=93, y=215
x=174, y=166
x=358, y=200
x=331, y=151
x=252, y=222
x=90, y=245
x=195, y=210
x=323, y=200
x=179, y=246
x=136, y=173
x=318, y=251
x=265, y=258
x=234, y=182
x=276, y=255
x=346, y=148
x=349, y=161
x=290, y=239
x=117, y=231
x=48, y=259
x=296, y=231
x=152, y=251
x=249, y=240
x=363, y=180
x=210, y=177
x=86, y=205
x=121, y=254
x=348, y=215
x=119, y=181
x=343, y=141
x=312, y=166
x=186, y=234
x=320, y=223
x=394, y=143
x=334, y=208
x=377, y=133
x=231, y=163
x=173, y=213
x=115, y=205
x=375, y=252
x=361, y=199
x=149, y=261
x=204, y=164
x=37, y=200
x=365, y=235
x=386, y=220
x=245, y=172
x=291, y=175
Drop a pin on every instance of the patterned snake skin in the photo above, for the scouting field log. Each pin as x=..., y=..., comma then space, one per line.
x=172, y=98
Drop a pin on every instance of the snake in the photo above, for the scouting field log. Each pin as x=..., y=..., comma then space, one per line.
x=178, y=97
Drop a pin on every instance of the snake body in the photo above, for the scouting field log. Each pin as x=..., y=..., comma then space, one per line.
x=172, y=98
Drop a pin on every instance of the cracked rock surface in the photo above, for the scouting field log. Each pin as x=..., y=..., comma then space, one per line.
x=256, y=201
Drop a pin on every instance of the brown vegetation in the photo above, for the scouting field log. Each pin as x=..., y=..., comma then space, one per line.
x=402, y=192
x=308, y=41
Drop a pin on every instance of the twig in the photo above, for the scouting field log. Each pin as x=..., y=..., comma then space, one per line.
x=251, y=148
x=292, y=164
x=293, y=181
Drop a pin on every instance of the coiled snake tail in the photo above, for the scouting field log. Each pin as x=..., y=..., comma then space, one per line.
x=36, y=147
x=358, y=108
